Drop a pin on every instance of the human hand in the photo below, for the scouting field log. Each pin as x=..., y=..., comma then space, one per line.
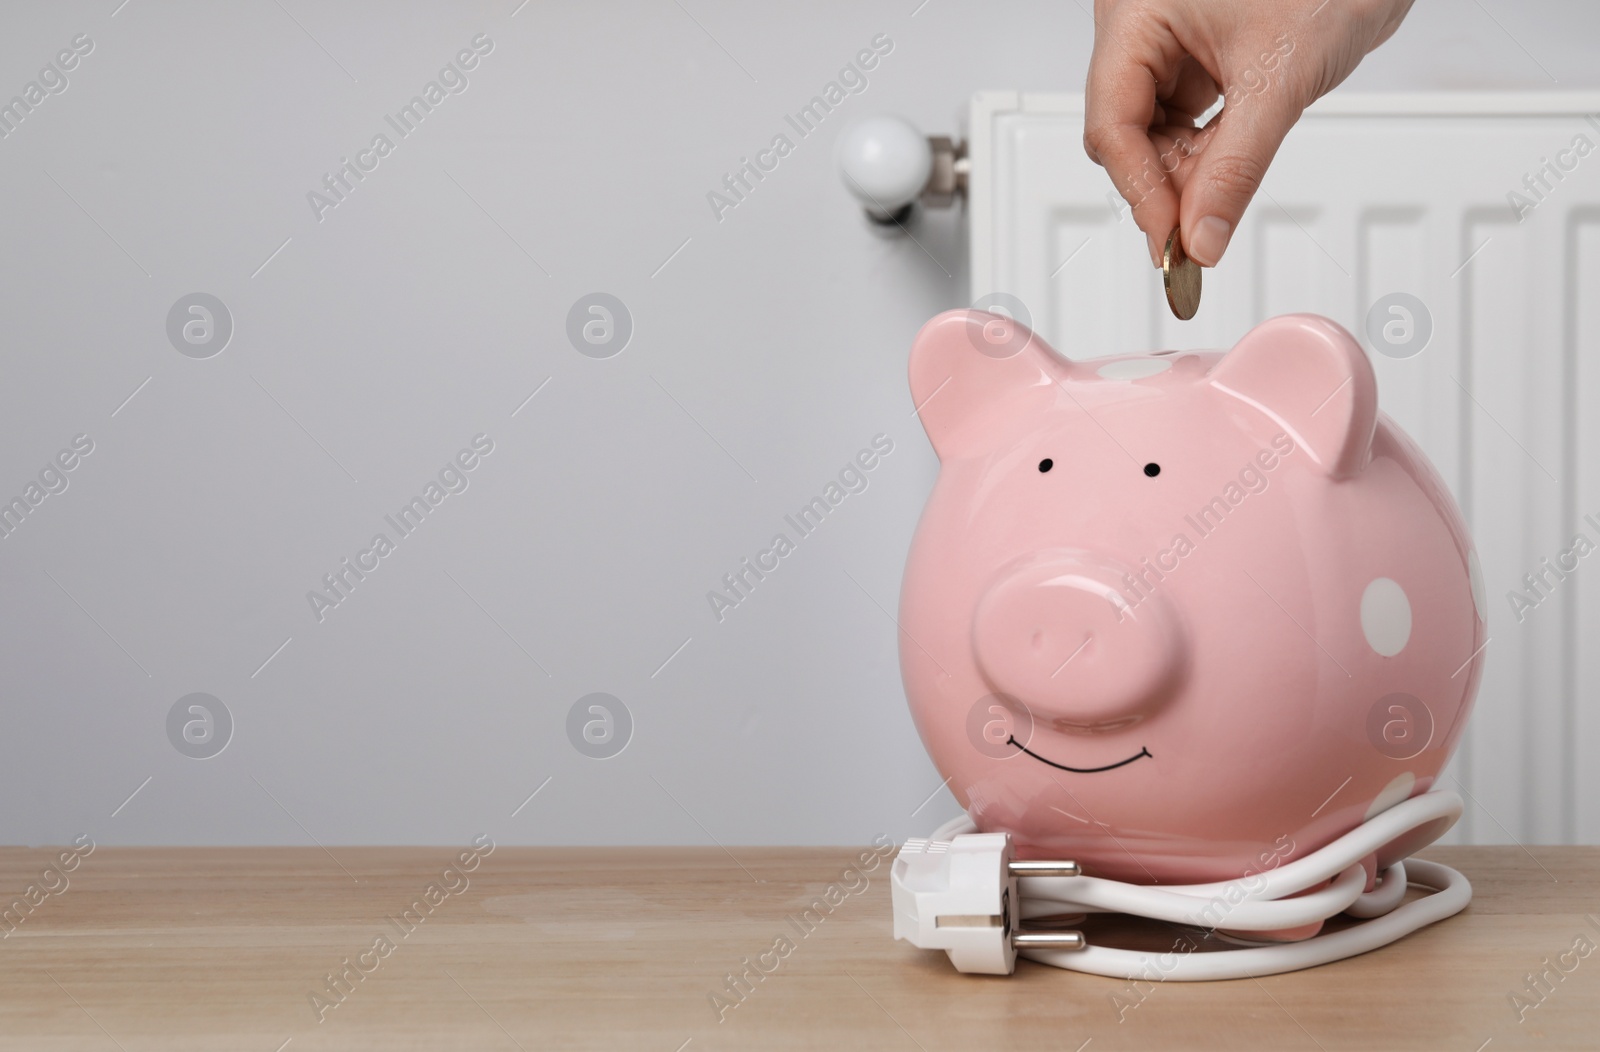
x=1159, y=64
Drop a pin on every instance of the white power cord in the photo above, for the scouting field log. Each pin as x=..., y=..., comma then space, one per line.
x=962, y=892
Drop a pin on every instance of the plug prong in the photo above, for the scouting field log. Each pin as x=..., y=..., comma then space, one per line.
x=1043, y=868
x=1048, y=940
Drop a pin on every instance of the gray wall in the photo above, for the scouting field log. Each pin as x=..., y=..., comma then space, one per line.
x=369, y=346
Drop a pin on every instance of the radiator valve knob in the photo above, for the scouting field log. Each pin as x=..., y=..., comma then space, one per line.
x=887, y=164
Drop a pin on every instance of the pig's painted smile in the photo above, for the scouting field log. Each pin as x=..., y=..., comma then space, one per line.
x=1141, y=754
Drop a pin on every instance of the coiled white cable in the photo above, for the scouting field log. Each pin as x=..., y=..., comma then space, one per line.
x=1260, y=903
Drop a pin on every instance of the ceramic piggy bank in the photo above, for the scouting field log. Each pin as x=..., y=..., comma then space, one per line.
x=1181, y=616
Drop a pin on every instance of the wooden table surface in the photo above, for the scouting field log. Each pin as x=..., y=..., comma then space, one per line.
x=584, y=948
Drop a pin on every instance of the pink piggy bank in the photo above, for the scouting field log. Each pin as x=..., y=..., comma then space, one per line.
x=1182, y=616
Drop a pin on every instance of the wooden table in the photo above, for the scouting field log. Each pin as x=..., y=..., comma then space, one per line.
x=570, y=948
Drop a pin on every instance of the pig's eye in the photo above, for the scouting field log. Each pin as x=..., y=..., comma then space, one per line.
x=1046, y=464
x=1152, y=470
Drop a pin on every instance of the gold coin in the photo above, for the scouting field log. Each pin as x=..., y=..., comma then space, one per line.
x=1181, y=276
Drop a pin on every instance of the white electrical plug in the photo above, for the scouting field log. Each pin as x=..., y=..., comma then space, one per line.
x=960, y=896
x=963, y=892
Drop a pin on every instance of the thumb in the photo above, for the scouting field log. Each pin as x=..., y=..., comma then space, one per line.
x=1227, y=173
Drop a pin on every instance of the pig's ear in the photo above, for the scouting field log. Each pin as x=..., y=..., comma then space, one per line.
x=1311, y=378
x=974, y=373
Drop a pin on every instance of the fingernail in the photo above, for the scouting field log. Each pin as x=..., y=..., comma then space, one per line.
x=1208, y=241
x=1155, y=253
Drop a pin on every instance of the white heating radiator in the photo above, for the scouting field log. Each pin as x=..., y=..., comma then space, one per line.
x=1372, y=195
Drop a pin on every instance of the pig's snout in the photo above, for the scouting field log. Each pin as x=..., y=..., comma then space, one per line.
x=1058, y=634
